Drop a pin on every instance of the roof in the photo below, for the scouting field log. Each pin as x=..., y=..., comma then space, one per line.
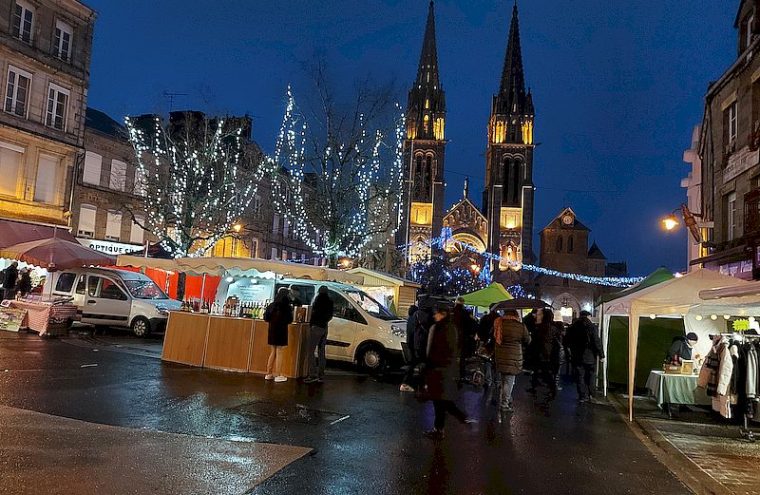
x=557, y=222
x=103, y=123
x=596, y=253
x=427, y=72
x=656, y=277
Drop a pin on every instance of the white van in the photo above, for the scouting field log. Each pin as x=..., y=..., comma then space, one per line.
x=118, y=298
x=362, y=330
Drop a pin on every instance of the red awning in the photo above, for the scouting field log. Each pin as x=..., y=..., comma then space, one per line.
x=12, y=232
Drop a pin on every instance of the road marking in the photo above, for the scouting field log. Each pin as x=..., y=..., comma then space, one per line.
x=88, y=365
x=339, y=420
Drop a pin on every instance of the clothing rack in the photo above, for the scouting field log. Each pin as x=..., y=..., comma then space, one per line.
x=744, y=430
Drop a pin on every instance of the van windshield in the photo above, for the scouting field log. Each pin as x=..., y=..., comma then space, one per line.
x=371, y=306
x=144, y=289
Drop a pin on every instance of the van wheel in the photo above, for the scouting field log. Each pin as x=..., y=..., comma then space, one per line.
x=372, y=359
x=140, y=327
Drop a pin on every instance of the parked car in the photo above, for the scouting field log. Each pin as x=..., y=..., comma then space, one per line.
x=116, y=298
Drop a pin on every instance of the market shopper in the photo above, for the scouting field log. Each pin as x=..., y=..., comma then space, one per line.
x=321, y=314
x=510, y=338
x=531, y=352
x=10, y=277
x=24, y=286
x=548, y=336
x=411, y=324
x=465, y=325
x=441, y=371
x=582, y=340
x=279, y=314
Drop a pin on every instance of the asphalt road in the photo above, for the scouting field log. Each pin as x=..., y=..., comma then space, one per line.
x=364, y=436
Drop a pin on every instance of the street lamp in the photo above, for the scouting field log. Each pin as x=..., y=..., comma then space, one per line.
x=670, y=222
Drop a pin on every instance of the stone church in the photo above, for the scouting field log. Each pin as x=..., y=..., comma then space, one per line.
x=505, y=223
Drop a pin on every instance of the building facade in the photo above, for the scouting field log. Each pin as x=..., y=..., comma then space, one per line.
x=45, y=60
x=565, y=248
x=695, y=249
x=730, y=157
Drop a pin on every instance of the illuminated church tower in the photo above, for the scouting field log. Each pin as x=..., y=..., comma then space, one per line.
x=508, y=196
x=423, y=153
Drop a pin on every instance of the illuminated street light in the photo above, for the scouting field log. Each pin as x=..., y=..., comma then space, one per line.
x=670, y=222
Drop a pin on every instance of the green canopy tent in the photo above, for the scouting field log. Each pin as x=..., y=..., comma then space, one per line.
x=656, y=335
x=483, y=298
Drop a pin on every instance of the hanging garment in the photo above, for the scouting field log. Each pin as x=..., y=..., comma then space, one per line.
x=721, y=400
x=751, y=371
x=708, y=375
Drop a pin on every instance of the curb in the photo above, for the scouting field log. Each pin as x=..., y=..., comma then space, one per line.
x=677, y=463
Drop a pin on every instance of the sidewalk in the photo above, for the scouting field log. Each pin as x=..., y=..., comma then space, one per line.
x=710, y=456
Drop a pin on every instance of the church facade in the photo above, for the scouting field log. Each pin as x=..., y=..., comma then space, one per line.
x=504, y=225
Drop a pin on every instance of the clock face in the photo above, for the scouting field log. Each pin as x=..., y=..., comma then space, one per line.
x=567, y=220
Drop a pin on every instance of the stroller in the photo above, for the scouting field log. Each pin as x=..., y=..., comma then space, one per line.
x=475, y=368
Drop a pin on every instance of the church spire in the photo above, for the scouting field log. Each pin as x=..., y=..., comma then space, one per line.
x=512, y=86
x=427, y=72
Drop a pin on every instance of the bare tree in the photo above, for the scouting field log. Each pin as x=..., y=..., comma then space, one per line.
x=197, y=178
x=343, y=166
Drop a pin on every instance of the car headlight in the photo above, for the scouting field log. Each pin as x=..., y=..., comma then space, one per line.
x=162, y=310
x=398, y=331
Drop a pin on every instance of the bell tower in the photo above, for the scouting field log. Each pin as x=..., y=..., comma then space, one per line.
x=508, y=196
x=423, y=153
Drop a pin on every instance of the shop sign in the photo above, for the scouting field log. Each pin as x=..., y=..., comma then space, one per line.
x=108, y=247
x=740, y=162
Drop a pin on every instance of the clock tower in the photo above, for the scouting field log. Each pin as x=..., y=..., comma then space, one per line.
x=423, y=153
x=508, y=196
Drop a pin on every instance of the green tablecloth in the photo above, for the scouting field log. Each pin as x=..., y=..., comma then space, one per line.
x=676, y=389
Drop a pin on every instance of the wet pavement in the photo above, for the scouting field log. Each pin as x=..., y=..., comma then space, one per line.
x=365, y=435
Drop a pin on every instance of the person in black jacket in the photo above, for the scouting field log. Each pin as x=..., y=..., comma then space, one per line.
x=466, y=328
x=321, y=314
x=24, y=282
x=279, y=315
x=9, y=281
x=683, y=347
x=411, y=325
x=582, y=340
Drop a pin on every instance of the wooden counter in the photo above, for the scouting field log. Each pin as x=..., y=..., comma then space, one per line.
x=231, y=344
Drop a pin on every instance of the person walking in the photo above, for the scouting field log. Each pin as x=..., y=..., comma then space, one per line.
x=411, y=325
x=10, y=277
x=582, y=340
x=24, y=282
x=531, y=353
x=548, y=338
x=511, y=338
x=465, y=325
x=279, y=314
x=441, y=371
x=321, y=314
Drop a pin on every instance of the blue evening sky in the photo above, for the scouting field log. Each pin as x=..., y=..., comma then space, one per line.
x=618, y=85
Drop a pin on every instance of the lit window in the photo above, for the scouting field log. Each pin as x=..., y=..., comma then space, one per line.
x=23, y=18
x=63, y=35
x=11, y=158
x=56, y=109
x=17, y=91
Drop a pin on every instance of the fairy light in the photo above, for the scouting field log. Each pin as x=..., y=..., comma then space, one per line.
x=195, y=187
x=339, y=194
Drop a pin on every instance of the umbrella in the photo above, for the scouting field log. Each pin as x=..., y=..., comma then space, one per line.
x=521, y=303
x=55, y=254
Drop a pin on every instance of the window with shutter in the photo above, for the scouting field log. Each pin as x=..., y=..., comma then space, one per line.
x=92, y=165
x=17, y=91
x=87, y=215
x=113, y=226
x=46, y=184
x=137, y=234
x=118, y=175
x=10, y=166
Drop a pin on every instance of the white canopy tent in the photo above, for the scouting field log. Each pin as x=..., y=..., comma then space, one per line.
x=674, y=298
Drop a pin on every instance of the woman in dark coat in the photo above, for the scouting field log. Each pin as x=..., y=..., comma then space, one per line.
x=24, y=282
x=279, y=314
x=442, y=370
x=511, y=338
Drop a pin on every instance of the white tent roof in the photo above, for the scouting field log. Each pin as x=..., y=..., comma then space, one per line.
x=218, y=266
x=671, y=298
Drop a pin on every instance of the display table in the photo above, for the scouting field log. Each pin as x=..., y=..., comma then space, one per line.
x=46, y=318
x=668, y=389
x=231, y=344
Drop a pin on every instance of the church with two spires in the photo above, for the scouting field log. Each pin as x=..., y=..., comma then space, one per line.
x=504, y=224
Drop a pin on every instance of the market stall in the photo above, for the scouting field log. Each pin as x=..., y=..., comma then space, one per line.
x=397, y=293
x=675, y=389
x=675, y=298
x=230, y=344
x=483, y=298
x=43, y=313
